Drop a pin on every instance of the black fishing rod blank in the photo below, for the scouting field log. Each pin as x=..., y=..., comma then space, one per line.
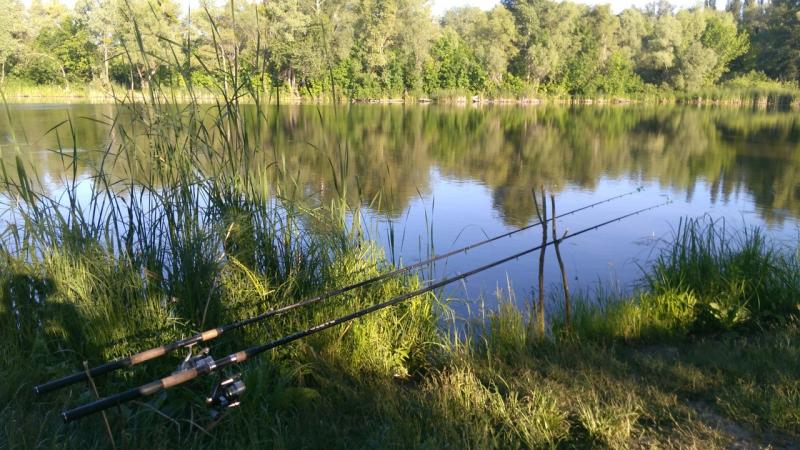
x=208, y=365
x=208, y=335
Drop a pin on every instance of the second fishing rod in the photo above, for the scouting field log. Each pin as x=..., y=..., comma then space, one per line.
x=214, y=333
x=215, y=366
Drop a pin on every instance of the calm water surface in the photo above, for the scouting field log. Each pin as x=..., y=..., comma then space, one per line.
x=443, y=177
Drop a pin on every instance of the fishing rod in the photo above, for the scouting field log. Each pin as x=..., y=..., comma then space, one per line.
x=211, y=334
x=232, y=387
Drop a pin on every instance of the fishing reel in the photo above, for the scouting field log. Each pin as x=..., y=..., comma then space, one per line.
x=192, y=361
x=226, y=391
x=225, y=395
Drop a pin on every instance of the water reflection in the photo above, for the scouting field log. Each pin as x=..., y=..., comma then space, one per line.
x=469, y=171
x=387, y=152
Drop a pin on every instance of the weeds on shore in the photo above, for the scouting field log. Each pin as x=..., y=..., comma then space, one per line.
x=196, y=235
x=708, y=280
x=193, y=235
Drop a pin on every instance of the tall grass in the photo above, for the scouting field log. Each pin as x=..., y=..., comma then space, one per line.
x=708, y=280
x=738, y=278
x=753, y=89
x=193, y=234
x=21, y=91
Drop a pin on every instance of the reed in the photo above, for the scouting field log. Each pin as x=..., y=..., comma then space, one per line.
x=737, y=277
x=192, y=234
x=21, y=91
x=753, y=90
x=197, y=233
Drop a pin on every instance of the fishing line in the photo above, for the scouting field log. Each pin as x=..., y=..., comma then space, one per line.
x=183, y=376
x=208, y=335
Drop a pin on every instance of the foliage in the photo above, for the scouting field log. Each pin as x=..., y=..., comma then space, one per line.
x=188, y=235
x=774, y=29
x=369, y=49
x=10, y=36
x=70, y=46
x=454, y=66
x=737, y=280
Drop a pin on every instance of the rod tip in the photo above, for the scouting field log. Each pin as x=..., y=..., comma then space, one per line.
x=36, y=390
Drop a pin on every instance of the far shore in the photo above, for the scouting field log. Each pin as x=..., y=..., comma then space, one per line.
x=764, y=101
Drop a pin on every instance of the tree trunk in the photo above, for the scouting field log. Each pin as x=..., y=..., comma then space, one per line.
x=292, y=83
x=105, y=63
x=3, y=74
x=142, y=79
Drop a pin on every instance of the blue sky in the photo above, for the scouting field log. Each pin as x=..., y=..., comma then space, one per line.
x=440, y=6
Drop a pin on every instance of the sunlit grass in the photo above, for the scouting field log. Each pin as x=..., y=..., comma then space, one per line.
x=195, y=235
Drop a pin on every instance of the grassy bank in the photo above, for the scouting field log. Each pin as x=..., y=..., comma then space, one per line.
x=178, y=230
x=705, y=361
x=742, y=92
x=21, y=91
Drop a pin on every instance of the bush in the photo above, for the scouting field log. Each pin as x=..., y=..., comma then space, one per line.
x=738, y=279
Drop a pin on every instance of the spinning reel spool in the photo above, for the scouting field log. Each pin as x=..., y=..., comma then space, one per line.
x=226, y=391
x=225, y=395
x=203, y=358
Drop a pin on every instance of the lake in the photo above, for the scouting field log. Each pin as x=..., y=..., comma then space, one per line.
x=432, y=178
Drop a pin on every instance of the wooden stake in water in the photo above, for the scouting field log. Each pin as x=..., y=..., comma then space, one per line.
x=542, y=214
x=557, y=245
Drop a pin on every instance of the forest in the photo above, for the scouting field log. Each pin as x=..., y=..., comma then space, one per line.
x=372, y=49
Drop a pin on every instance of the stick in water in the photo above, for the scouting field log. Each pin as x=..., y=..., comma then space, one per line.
x=214, y=333
x=543, y=219
x=557, y=246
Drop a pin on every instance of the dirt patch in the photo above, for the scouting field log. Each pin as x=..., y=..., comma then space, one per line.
x=741, y=437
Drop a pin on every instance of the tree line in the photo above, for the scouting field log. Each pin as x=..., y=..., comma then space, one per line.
x=391, y=48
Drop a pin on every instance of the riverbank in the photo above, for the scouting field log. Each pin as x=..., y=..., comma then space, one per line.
x=736, y=95
x=171, y=243
x=707, y=355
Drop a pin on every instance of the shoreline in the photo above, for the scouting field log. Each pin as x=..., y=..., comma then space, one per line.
x=705, y=355
x=757, y=102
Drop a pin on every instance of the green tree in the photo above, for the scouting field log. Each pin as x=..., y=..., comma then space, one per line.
x=546, y=37
x=490, y=35
x=735, y=8
x=148, y=31
x=391, y=42
x=379, y=48
x=777, y=47
x=100, y=19
x=659, y=52
x=633, y=27
x=289, y=42
x=586, y=71
x=224, y=40
x=45, y=15
x=69, y=45
x=454, y=65
x=722, y=36
x=11, y=14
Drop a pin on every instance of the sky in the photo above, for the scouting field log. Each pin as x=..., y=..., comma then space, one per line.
x=440, y=6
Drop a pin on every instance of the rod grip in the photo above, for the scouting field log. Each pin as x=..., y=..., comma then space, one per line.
x=132, y=360
x=151, y=388
x=78, y=377
x=100, y=405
